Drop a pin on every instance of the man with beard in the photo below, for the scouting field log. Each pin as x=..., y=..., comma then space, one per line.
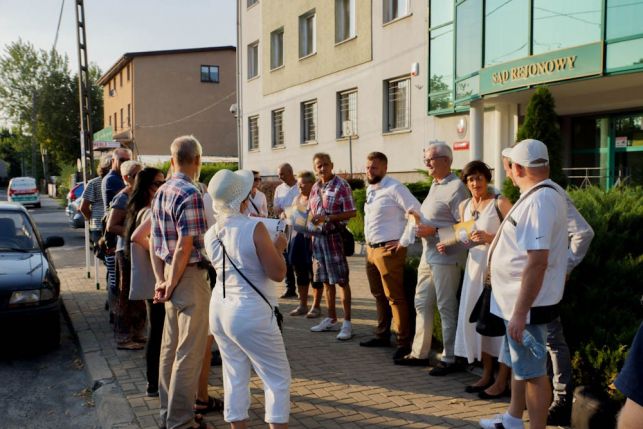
x=387, y=202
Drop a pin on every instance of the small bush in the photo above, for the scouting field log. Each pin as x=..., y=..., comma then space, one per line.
x=63, y=181
x=355, y=183
x=598, y=368
x=419, y=189
x=510, y=191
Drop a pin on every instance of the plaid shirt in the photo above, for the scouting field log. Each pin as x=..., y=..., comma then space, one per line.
x=330, y=198
x=177, y=211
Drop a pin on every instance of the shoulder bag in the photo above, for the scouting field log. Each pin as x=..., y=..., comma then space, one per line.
x=487, y=323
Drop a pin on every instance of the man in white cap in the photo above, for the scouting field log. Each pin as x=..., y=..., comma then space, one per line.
x=528, y=261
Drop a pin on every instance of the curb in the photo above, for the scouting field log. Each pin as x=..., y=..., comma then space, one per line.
x=112, y=409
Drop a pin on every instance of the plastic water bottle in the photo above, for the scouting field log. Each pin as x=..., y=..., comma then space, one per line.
x=408, y=236
x=537, y=349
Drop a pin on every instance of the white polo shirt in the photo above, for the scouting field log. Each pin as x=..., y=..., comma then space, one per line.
x=539, y=223
x=257, y=205
x=384, y=211
x=285, y=195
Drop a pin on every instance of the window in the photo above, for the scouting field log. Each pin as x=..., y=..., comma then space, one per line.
x=278, y=128
x=504, y=17
x=441, y=68
x=210, y=74
x=564, y=24
x=252, y=3
x=277, y=48
x=441, y=12
x=128, y=72
x=120, y=77
x=115, y=122
x=110, y=120
x=468, y=37
x=624, y=18
x=122, y=120
x=253, y=60
x=344, y=20
x=309, y=121
x=346, y=111
x=307, y=44
x=398, y=104
x=394, y=9
x=129, y=112
x=253, y=133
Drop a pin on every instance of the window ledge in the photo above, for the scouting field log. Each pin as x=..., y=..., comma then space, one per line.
x=277, y=68
x=399, y=18
x=395, y=132
x=309, y=143
x=308, y=56
x=253, y=150
x=346, y=40
x=280, y=147
x=254, y=78
x=345, y=139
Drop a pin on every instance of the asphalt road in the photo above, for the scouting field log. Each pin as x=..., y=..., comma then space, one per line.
x=47, y=390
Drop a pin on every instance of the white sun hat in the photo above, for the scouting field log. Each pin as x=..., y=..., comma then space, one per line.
x=528, y=153
x=228, y=190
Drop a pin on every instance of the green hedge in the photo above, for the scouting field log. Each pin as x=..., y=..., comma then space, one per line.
x=207, y=170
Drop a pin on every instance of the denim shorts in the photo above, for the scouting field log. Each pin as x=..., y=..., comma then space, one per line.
x=524, y=364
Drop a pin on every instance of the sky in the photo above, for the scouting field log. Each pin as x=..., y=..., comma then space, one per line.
x=115, y=27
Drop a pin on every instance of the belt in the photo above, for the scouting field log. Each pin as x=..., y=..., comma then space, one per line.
x=201, y=265
x=376, y=245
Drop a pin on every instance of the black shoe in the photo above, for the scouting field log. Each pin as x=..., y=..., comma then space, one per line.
x=485, y=395
x=289, y=294
x=477, y=389
x=411, y=361
x=375, y=342
x=559, y=413
x=443, y=368
x=401, y=352
x=152, y=391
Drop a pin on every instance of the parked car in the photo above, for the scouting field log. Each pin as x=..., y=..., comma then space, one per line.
x=29, y=284
x=74, y=199
x=23, y=190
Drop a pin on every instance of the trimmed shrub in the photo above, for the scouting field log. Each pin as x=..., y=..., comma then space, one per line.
x=510, y=191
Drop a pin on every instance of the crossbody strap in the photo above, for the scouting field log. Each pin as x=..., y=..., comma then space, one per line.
x=498, y=212
x=510, y=219
x=225, y=254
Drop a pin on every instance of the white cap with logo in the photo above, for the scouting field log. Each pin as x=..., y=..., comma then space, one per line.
x=528, y=153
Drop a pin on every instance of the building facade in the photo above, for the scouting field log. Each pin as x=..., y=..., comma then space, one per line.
x=152, y=97
x=403, y=73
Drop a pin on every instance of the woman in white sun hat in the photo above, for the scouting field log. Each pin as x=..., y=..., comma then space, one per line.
x=242, y=316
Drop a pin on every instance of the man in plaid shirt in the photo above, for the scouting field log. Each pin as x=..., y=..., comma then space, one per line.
x=178, y=226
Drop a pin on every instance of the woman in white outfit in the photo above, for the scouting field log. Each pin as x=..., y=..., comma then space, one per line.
x=242, y=322
x=486, y=209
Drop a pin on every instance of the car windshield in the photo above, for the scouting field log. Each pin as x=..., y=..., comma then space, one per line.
x=16, y=233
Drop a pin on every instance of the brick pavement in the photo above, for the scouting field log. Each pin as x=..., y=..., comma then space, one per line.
x=334, y=384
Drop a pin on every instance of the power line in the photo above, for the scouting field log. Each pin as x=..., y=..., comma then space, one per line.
x=60, y=18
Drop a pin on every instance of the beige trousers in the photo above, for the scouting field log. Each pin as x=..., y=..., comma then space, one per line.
x=182, y=348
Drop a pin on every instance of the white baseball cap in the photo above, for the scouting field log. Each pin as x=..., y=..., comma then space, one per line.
x=528, y=153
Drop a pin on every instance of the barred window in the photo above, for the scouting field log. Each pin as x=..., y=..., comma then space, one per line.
x=346, y=111
x=253, y=132
x=309, y=121
x=398, y=104
x=278, y=128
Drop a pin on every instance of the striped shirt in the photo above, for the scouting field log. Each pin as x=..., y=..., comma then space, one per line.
x=93, y=195
x=177, y=211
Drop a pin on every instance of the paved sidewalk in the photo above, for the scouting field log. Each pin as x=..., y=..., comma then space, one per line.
x=334, y=384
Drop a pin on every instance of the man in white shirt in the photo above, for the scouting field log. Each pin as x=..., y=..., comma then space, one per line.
x=580, y=236
x=258, y=206
x=528, y=263
x=285, y=195
x=387, y=202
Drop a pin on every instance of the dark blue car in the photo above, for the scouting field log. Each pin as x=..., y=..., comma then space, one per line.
x=29, y=284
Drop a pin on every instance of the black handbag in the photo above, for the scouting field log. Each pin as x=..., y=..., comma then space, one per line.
x=275, y=310
x=487, y=323
x=347, y=239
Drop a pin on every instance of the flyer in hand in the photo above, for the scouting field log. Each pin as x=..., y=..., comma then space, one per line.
x=458, y=233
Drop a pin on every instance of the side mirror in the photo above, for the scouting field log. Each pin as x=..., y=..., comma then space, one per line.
x=54, y=241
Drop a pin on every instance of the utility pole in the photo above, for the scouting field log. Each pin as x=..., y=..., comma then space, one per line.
x=86, y=146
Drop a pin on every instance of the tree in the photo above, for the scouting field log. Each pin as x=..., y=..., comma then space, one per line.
x=541, y=123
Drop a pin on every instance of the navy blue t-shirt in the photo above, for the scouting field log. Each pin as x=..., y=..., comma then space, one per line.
x=630, y=380
x=112, y=184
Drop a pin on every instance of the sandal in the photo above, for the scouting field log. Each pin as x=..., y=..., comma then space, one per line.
x=204, y=407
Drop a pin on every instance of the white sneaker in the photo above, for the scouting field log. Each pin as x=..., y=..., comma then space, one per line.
x=346, y=333
x=326, y=325
x=505, y=421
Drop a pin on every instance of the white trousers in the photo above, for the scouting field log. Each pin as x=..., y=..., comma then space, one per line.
x=248, y=337
x=436, y=284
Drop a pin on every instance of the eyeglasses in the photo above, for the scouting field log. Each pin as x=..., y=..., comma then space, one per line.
x=158, y=183
x=427, y=161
